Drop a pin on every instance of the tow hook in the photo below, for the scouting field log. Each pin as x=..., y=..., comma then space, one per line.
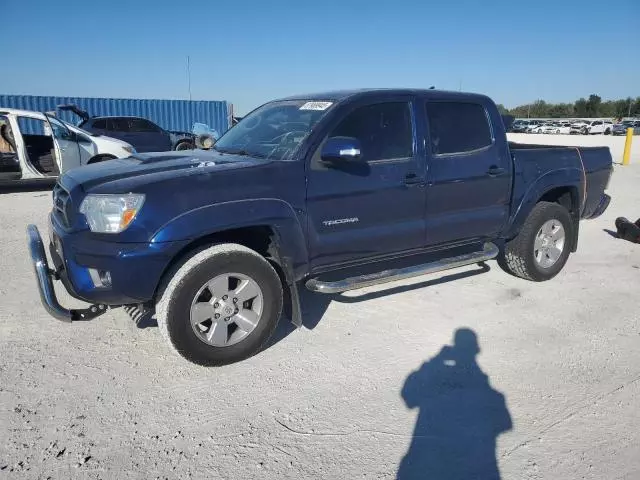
x=88, y=313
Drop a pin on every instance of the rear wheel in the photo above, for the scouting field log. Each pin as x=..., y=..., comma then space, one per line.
x=541, y=249
x=221, y=306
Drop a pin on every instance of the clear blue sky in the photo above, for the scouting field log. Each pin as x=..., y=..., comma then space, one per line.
x=250, y=51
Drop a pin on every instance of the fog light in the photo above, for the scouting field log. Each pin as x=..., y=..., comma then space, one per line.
x=100, y=278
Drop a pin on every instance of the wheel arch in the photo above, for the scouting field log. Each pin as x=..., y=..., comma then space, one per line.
x=278, y=237
x=547, y=190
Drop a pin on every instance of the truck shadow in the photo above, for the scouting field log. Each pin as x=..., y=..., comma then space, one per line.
x=460, y=416
x=315, y=305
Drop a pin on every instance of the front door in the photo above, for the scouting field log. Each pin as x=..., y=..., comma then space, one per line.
x=469, y=181
x=373, y=207
x=66, y=146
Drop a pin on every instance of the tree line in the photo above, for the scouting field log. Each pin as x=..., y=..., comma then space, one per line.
x=592, y=107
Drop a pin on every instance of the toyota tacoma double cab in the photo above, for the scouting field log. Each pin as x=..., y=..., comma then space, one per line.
x=329, y=192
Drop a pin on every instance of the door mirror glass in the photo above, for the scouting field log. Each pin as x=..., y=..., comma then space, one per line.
x=346, y=149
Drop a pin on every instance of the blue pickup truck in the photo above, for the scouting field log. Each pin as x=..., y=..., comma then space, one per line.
x=328, y=192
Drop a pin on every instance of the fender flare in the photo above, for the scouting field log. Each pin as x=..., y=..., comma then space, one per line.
x=570, y=178
x=289, y=247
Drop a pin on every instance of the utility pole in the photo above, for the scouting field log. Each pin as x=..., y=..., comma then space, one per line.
x=189, y=75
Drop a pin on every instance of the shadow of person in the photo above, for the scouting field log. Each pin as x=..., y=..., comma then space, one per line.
x=460, y=416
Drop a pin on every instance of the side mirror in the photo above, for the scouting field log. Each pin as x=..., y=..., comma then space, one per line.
x=346, y=149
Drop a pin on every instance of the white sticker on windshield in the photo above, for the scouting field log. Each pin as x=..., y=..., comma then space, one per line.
x=316, y=105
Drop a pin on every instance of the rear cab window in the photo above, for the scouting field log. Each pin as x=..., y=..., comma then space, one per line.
x=457, y=127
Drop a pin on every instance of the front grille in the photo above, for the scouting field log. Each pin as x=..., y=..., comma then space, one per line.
x=62, y=206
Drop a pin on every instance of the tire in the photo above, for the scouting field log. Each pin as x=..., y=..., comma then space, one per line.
x=176, y=299
x=607, y=131
x=519, y=255
x=184, y=146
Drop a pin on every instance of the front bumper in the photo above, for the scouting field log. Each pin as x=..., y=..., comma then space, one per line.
x=44, y=277
x=135, y=269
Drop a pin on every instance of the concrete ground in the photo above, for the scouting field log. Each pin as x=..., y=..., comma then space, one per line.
x=368, y=389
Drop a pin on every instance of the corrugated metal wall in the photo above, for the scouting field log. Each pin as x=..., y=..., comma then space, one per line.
x=169, y=114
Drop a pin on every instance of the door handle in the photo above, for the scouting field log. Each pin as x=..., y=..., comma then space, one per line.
x=495, y=171
x=411, y=180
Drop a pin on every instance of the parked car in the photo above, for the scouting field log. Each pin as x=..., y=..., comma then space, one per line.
x=142, y=133
x=35, y=145
x=534, y=125
x=519, y=126
x=549, y=128
x=557, y=128
x=621, y=128
x=332, y=192
x=599, y=127
x=579, y=127
x=541, y=127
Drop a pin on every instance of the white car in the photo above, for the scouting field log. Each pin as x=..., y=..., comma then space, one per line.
x=600, y=127
x=35, y=145
x=541, y=128
x=592, y=127
x=579, y=127
x=563, y=128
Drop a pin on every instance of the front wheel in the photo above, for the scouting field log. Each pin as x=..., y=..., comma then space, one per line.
x=541, y=249
x=221, y=306
x=186, y=145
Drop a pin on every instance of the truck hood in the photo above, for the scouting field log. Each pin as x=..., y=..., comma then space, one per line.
x=147, y=168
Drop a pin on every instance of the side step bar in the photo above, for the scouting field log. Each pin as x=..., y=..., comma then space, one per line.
x=489, y=252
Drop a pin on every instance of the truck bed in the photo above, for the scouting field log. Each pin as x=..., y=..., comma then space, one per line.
x=532, y=161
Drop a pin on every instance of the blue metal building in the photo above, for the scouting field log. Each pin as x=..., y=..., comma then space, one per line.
x=169, y=114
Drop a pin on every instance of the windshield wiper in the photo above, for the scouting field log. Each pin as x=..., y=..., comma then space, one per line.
x=243, y=153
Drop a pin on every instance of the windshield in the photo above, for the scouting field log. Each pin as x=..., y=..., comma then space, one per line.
x=275, y=130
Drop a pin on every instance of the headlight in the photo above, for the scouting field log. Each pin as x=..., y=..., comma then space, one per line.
x=129, y=149
x=111, y=213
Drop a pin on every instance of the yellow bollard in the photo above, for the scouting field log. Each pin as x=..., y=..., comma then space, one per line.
x=626, y=156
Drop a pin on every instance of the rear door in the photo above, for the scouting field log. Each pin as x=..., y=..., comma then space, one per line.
x=469, y=178
x=150, y=137
x=374, y=207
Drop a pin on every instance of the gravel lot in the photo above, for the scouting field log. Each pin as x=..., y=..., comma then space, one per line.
x=106, y=399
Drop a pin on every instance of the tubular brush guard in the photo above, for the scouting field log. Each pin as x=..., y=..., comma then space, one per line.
x=44, y=277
